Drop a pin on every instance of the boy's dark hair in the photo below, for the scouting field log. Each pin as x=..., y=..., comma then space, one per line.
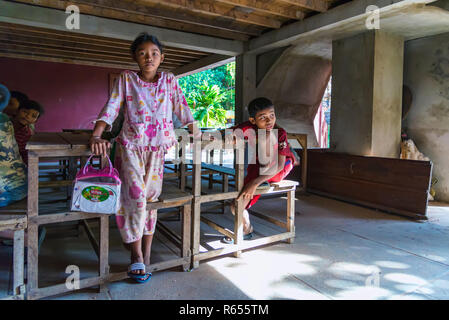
x=144, y=37
x=21, y=97
x=32, y=105
x=257, y=105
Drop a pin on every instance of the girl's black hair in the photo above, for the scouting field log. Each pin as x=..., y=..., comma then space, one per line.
x=259, y=104
x=21, y=97
x=144, y=37
x=32, y=105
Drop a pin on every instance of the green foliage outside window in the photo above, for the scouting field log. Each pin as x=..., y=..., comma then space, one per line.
x=211, y=95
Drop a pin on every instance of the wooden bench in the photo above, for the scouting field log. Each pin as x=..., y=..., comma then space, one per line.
x=16, y=222
x=288, y=187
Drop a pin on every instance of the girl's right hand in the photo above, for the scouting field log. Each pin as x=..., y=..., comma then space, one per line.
x=99, y=146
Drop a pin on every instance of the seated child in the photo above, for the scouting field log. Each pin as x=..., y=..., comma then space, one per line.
x=13, y=179
x=27, y=115
x=17, y=98
x=262, y=116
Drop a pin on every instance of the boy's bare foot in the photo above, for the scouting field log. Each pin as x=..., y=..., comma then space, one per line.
x=247, y=230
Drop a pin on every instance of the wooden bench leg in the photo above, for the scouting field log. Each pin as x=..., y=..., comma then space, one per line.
x=104, y=250
x=18, y=264
x=291, y=214
x=238, y=226
x=225, y=188
x=186, y=234
x=196, y=220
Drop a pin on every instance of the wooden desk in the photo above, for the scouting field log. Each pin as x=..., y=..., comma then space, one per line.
x=52, y=144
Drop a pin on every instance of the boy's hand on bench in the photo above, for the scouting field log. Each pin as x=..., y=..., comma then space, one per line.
x=248, y=191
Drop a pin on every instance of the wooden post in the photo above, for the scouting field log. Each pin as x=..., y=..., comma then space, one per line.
x=291, y=214
x=196, y=202
x=32, y=211
x=186, y=234
x=18, y=263
x=104, y=250
x=238, y=217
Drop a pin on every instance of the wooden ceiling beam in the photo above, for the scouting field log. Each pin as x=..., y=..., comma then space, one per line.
x=23, y=48
x=315, y=5
x=236, y=33
x=267, y=7
x=112, y=44
x=38, y=16
x=137, y=9
x=26, y=56
x=76, y=46
x=215, y=8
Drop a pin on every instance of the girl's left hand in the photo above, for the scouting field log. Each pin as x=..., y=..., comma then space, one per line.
x=99, y=146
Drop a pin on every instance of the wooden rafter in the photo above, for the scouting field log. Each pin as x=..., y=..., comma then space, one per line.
x=315, y=5
x=200, y=25
x=215, y=8
x=269, y=7
x=133, y=7
x=100, y=43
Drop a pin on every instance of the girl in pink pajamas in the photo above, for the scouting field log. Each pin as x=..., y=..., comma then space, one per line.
x=149, y=98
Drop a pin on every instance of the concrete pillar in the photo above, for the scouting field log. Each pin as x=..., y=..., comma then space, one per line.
x=367, y=72
x=245, y=85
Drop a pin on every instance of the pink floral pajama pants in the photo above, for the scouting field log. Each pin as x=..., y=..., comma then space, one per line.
x=141, y=172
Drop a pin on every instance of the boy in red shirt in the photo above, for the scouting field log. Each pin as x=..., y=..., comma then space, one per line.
x=262, y=119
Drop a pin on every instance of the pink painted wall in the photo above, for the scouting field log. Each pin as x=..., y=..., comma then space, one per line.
x=72, y=95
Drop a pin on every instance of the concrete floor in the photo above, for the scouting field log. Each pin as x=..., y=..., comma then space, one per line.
x=341, y=251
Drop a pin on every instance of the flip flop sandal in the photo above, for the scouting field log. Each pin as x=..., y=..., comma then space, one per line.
x=228, y=240
x=140, y=278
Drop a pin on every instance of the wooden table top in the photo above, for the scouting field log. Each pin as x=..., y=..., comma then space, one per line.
x=58, y=141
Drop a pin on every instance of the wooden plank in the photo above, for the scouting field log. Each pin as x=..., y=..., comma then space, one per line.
x=171, y=193
x=91, y=237
x=290, y=225
x=186, y=220
x=32, y=212
x=55, y=19
x=110, y=44
x=268, y=7
x=47, y=140
x=219, y=10
x=267, y=218
x=18, y=262
x=195, y=240
x=38, y=293
x=217, y=227
x=37, y=57
x=218, y=168
x=250, y=244
x=219, y=196
x=62, y=217
x=315, y=5
x=103, y=263
x=133, y=11
x=13, y=221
